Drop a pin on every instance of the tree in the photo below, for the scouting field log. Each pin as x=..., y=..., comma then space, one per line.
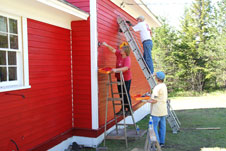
x=195, y=35
x=194, y=58
x=165, y=39
x=218, y=42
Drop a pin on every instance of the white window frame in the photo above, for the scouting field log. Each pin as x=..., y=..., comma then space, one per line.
x=22, y=81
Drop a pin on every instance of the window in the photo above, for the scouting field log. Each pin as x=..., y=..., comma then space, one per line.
x=12, y=73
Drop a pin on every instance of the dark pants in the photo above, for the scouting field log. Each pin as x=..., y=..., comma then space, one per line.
x=127, y=83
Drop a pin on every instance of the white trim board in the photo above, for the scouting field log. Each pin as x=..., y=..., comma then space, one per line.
x=94, y=61
x=65, y=8
x=137, y=10
x=38, y=11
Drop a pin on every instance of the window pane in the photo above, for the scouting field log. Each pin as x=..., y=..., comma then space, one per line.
x=3, y=40
x=13, y=42
x=2, y=58
x=13, y=26
x=3, y=74
x=12, y=73
x=12, y=58
x=3, y=24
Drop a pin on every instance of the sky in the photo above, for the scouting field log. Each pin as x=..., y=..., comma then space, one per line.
x=172, y=10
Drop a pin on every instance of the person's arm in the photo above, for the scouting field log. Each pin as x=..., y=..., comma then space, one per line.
x=113, y=50
x=152, y=101
x=123, y=69
x=137, y=27
x=151, y=32
x=126, y=66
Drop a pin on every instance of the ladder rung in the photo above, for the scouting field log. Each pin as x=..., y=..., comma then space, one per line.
x=119, y=83
x=114, y=99
x=115, y=137
x=119, y=93
x=117, y=103
x=125, y=124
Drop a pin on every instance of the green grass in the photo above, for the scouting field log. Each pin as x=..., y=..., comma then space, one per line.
x=195, y=93
x=188, y=139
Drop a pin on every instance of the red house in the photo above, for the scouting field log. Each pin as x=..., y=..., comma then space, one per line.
x=51, y=93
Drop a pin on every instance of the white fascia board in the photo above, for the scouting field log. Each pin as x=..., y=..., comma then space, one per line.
x=65, y=8
x=148, y=11
x=94, y=67
x=137, y=10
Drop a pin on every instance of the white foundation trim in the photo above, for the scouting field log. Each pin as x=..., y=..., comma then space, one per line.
x=94, y=68
x=94, y=142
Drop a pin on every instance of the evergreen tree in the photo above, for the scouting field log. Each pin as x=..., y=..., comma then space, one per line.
x=218, y=42
x=195, y=37
x=165, y=38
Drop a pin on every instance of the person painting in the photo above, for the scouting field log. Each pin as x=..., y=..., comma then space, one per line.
x=145, y=35
x=123, y=63
x=159, y=107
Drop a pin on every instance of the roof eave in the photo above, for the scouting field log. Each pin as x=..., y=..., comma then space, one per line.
x=66, y=7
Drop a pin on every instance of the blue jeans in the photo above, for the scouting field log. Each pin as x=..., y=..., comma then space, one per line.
x=160, y=121
x=127, y=83
x=147, y=45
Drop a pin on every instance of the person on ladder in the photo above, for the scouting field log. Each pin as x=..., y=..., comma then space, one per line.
x=145, y=35
x=123, y=63
x=159, y=107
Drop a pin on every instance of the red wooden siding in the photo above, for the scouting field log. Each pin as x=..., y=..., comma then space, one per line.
x=108, y=31
x=46, y=110
x=81, y=74
x=82, y=4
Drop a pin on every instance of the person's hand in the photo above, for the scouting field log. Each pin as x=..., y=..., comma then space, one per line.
x=114, y=70
x=149, y=101
x=104, y=43
x=129, y=23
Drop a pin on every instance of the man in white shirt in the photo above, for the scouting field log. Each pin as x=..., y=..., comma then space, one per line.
x=159, y=107
x=145, y=35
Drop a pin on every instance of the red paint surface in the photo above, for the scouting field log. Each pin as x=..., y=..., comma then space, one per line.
x=45, y=112
x=82, y=4
x=44, y=117
x=108, y=32
x=81, y=74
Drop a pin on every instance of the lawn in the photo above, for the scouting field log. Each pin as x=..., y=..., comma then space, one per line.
x=188, y=139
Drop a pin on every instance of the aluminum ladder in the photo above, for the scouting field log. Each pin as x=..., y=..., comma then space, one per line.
x=174, y=122
x=118, y=101
x=172, y=118
x=137, y=53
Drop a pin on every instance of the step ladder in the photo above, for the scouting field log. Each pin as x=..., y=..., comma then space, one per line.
x=151, y=142
x=118, y=101
x=172, y=118
x=147, y=73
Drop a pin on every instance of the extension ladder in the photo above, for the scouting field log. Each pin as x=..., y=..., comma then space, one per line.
x=172, y=119
x=117, y=100
x=137, y=53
